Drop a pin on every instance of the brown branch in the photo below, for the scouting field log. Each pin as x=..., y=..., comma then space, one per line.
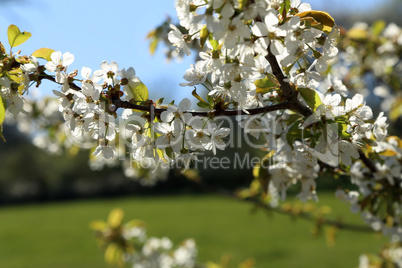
x=277, y=71
x=288, y=91
x=367, y=162
x=51, y=78
x=302, y=215
x=128, y=105
x=280, y=106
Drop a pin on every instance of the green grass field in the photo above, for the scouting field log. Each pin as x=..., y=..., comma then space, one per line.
x=57, y=235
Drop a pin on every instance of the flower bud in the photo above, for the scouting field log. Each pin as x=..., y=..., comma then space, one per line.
x=112, y=107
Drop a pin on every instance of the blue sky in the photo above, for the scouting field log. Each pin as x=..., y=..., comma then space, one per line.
x=115, y=30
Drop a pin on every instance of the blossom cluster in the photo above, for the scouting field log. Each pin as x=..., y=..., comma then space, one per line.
x=370, y=63
x=390, y=255
x=129, y=244
x=237, y=41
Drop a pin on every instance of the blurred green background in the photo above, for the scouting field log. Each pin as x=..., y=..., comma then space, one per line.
x=57, y=234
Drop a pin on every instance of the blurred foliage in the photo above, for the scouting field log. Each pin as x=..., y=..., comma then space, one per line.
x=30, y=174
x=390, y=11
x=218, y=225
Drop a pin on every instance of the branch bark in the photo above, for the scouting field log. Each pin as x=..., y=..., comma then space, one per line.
x=301, y=215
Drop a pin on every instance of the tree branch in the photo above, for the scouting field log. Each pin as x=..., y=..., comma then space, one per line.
x=295, y=104
x=280, y=106
x=128, y=105
x=288, y=91
x=302, y=215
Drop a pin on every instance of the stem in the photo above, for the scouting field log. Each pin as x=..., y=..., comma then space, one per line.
x=280, y=106
x=302, y=215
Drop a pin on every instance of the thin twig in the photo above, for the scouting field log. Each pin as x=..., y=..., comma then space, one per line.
x=302, y=215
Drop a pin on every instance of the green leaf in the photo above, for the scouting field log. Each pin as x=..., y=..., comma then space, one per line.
x=296, y=133
x=378, y=27
x=203, y=36
x=112, y=254
x=43, y=53
x=98, y=225
x=396, y=109
x=115, y=217
x=153, y=45
x=293, y=133
x=266, y=84
x=311, y=97
x=206, y=104
x=2, y=117
x=284, y=8
x=2, y=110
x=140, y=92
x=242, y=4
x=214, y=43
x=318, y=19
x=15, y=37
x=169, y=152
x=342, y=129
x=357, y=34
x=210, y=99
x=134, y=223
x=203, y=104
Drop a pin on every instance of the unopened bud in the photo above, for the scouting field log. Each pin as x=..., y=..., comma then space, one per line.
x=112, y=107
x=124, y=81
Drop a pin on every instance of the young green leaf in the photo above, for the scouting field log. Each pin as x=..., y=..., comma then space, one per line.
x=268, y=83
x=115, y=217
x=323, y=21
x=15, y=37
x=2, y=111
x=378, y=27
x=2, y=116
x=203, y=36
x=203, y=104
x=284, y=8
x=213, y=42
x=242, y=4
x=43, y=53
x=311, y=97
x=140, y=92
x=153, y=45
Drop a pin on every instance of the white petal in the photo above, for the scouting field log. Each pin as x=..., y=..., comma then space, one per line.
x=260, y=29
x=185, y=104
x=271, y=20
x=85, y=72
x=276, y=47
x=68, y=58
x=167, y=116
x=105, y=66
x=321, y=65
x=114, y=67
x=227, y=11
x=56, y=57
x=50, y=66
